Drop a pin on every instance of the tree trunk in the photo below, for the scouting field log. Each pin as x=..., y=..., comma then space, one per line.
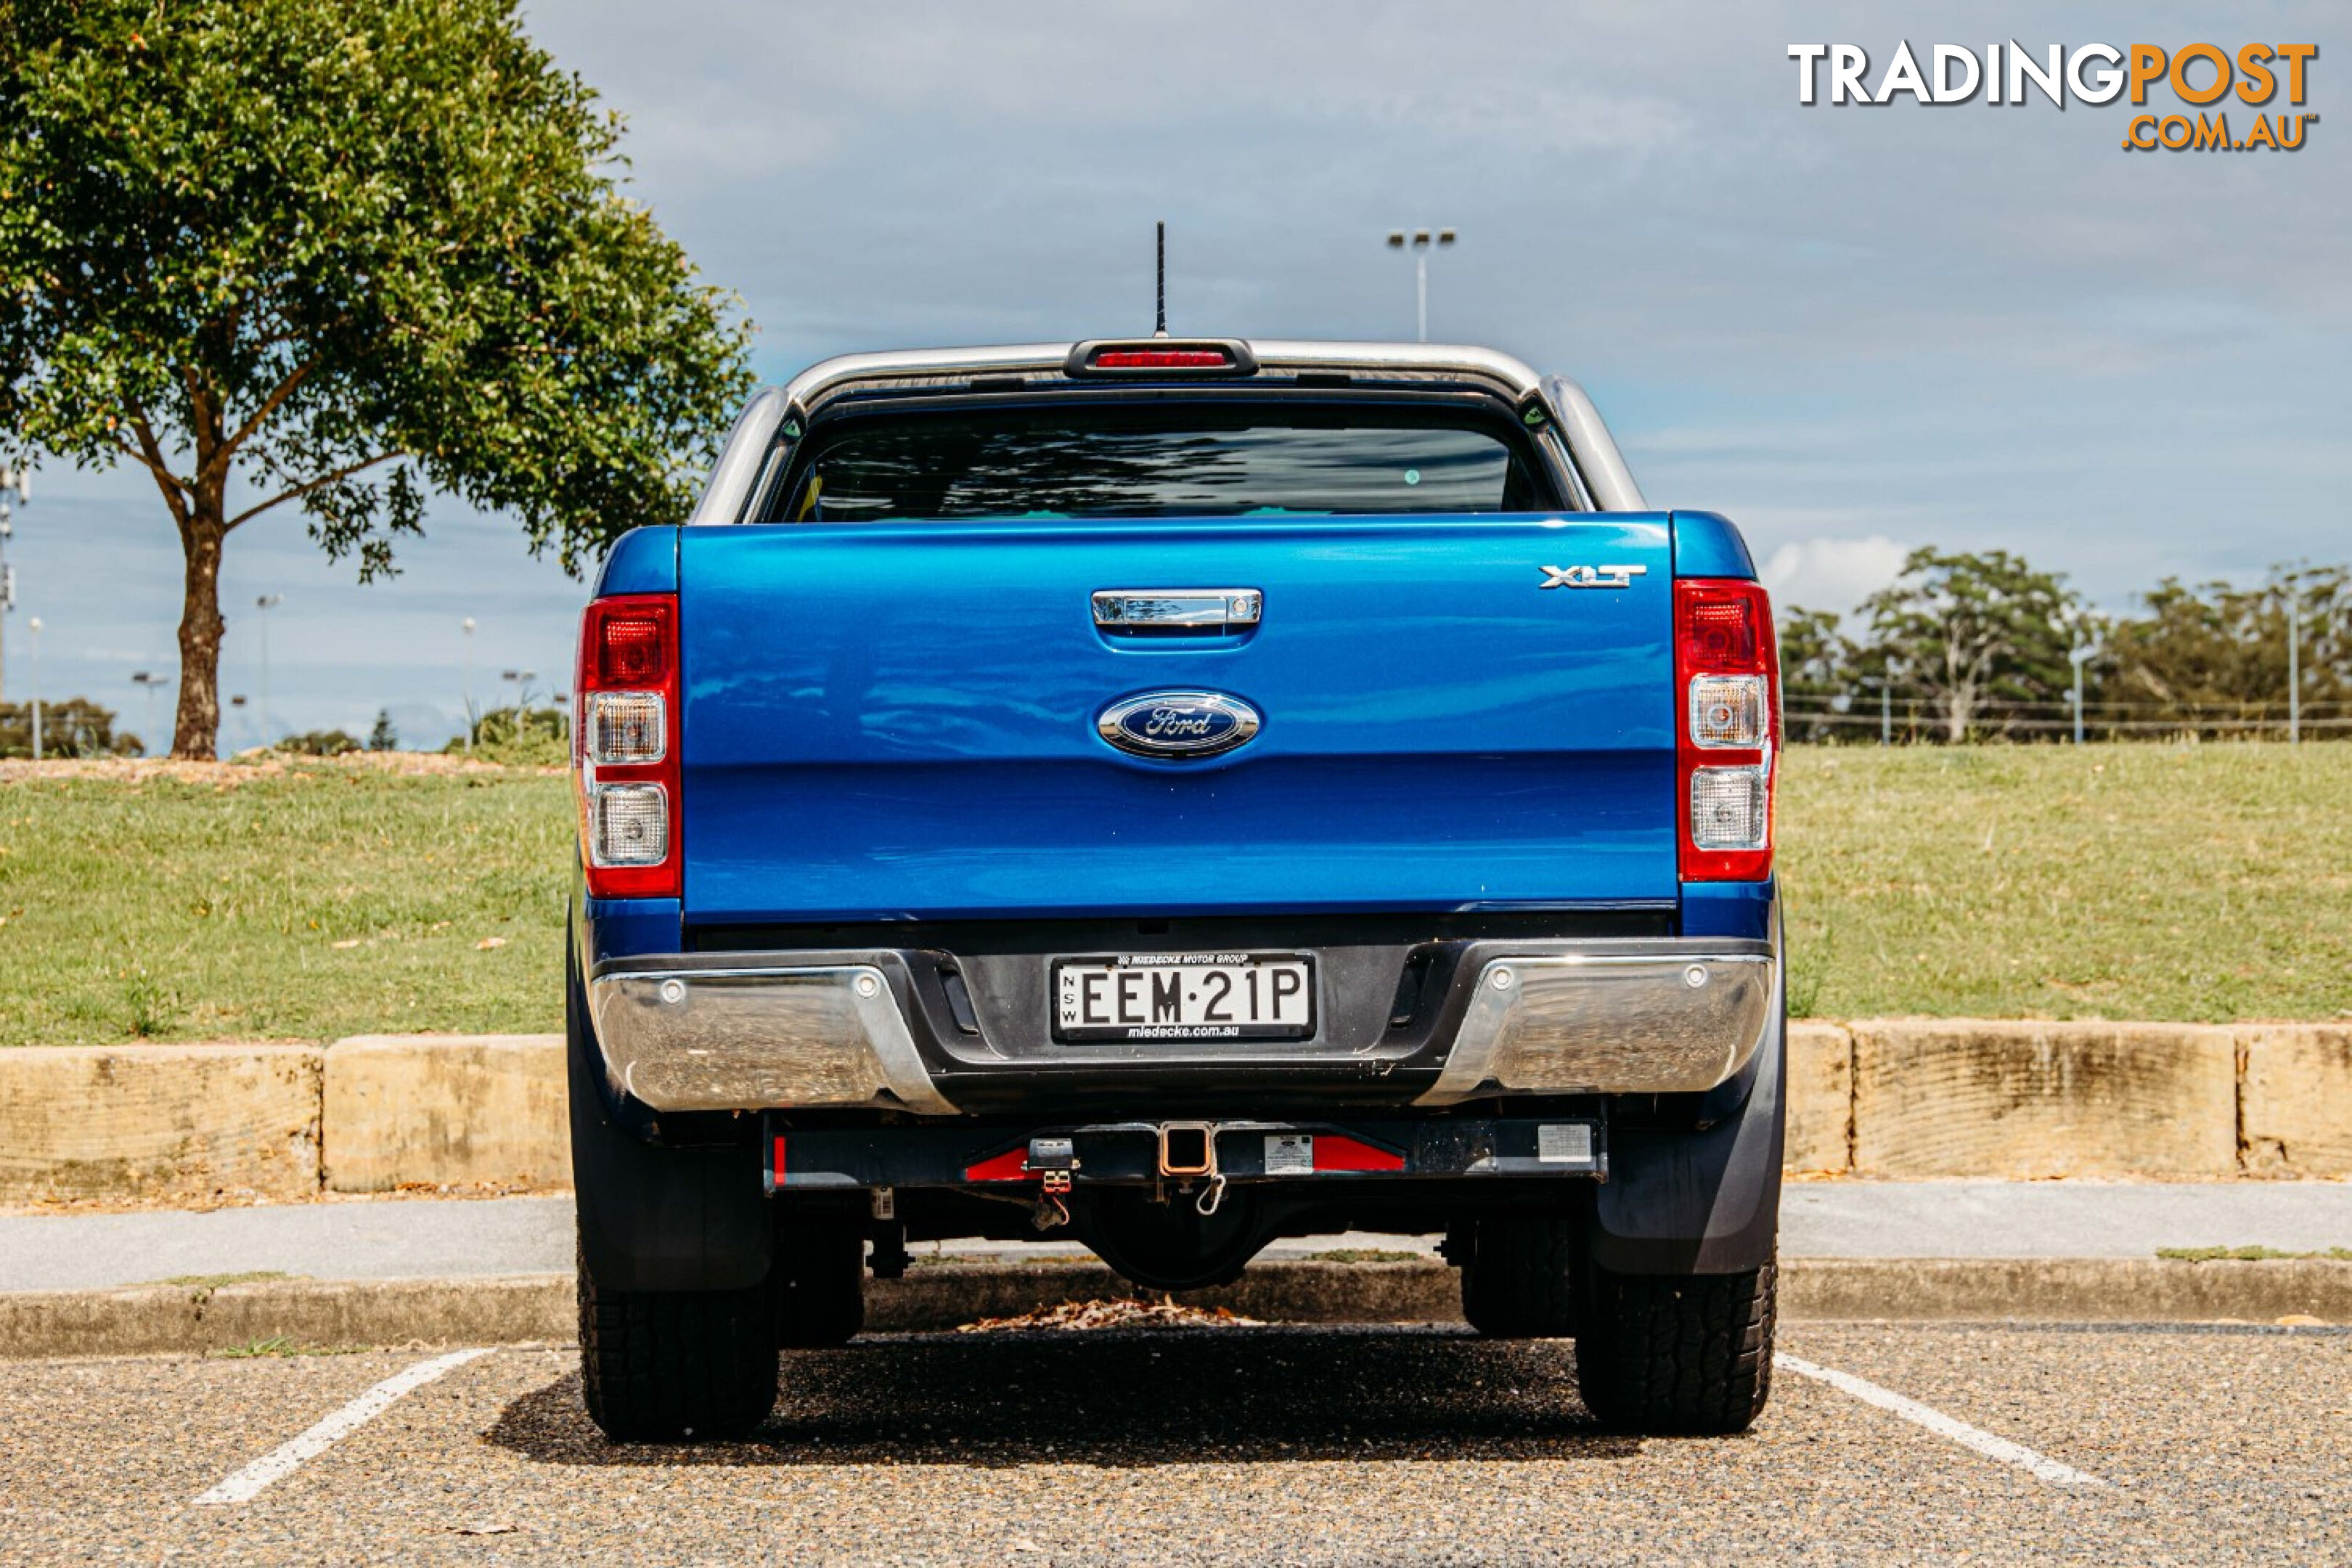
x=196, y=729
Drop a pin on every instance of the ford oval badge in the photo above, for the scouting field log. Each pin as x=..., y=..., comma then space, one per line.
x=1177, y=723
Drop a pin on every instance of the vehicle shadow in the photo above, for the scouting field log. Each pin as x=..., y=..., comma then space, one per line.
x=1129, y=1398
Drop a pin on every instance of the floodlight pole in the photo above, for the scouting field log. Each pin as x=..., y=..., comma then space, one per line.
x=1421, y=240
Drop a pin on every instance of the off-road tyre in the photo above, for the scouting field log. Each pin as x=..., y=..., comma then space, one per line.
x=669, y=1366
x=1520, y=1281
x=820, y=1285
x=1678, y=1354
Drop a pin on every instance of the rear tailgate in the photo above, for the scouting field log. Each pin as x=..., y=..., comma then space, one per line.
x=898, y=720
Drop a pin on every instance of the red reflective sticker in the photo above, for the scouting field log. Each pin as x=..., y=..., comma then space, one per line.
x=1010, y=1166
x=780, y=1161
x=1334, y=1153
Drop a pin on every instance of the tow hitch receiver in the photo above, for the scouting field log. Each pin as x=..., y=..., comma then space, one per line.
x=1187, y=1149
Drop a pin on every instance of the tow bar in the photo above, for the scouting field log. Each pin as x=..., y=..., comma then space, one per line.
x=1190, y=1149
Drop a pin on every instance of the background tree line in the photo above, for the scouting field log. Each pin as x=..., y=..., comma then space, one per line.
x=1962, y=647
x=1977, y=646
x=520, y=735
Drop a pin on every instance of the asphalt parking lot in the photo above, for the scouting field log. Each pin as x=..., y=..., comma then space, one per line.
x=1273, y=1445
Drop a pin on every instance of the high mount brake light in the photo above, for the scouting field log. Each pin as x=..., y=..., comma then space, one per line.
x=1728, y=728
x=624, y=746
x=1160, y=357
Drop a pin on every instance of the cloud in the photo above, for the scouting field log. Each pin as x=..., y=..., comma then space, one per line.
x=1823, y=574
x=1845, y=328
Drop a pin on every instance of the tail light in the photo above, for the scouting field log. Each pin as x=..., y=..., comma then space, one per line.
x=1727, y=673
x=624, y=746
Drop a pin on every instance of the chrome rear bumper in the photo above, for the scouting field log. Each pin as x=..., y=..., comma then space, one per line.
x=1636, y=1017
x=1607, y=1024
x=750, y=1039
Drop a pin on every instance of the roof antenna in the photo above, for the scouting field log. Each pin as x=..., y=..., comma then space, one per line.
x=1159, y=329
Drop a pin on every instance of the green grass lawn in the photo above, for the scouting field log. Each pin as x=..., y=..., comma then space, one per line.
x=2212, y=882
x=2207, y=882
x=330, y=899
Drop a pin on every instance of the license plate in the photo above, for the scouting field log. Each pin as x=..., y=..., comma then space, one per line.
x=1185, y=996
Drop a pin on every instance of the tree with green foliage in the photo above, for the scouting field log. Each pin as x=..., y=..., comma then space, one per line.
x=2207, y=655
x=1817, y=672
x=320, y=744
x=520, y=736
x=1969, y=633
x=384, y=737
x=340, y=254
x=76, y=727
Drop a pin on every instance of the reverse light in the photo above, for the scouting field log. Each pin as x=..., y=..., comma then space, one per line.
x=1728, y=710
x=1731, y=808
x=628, y=824
x=1729, y=672
x=623, y=753
x=626, y=726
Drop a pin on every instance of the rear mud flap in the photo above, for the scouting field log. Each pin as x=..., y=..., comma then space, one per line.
x=654, y=1219
x=1698, y=1203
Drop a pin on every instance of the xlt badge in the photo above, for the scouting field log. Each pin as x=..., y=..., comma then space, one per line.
x=1591, y=576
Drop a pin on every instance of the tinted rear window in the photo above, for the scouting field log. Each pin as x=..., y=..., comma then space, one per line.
x=1171, y=459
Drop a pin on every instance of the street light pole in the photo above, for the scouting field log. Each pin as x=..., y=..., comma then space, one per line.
x=263, y=604
x=1420, y=239
x=34, y=627
x=19, y=479
x=146, y=681
x=468, y=629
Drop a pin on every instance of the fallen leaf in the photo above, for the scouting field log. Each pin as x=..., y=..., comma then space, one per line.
x=1126, y=1312
x=489, y=942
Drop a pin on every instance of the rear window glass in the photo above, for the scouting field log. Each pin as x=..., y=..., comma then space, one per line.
x=1167, y=460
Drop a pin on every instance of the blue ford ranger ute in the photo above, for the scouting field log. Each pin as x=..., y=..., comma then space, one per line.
x=1176, y=794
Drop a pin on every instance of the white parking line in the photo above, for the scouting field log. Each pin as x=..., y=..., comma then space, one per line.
x=281, y=1461
x=1942, y=1425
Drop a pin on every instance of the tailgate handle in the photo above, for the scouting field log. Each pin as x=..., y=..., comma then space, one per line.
x=1200, y=611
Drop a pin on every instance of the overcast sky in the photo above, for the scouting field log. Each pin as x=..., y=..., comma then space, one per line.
x=1853, y=330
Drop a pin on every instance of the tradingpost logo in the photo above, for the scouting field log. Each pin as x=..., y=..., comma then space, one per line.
x=2195, y=83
